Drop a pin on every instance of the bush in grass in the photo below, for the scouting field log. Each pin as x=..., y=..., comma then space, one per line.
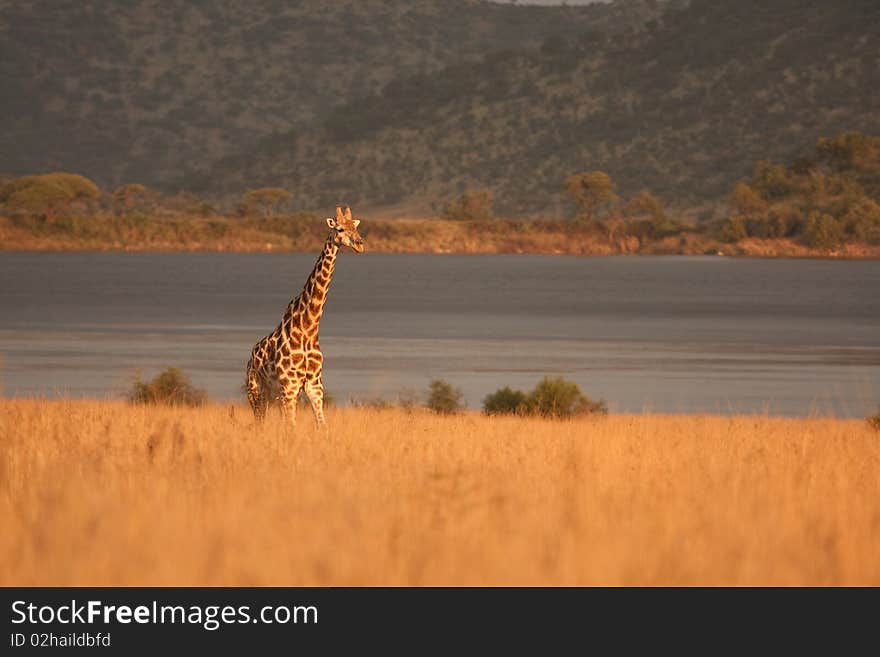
x=505, y=400
x=552, y=397
x=408, y=399
x=874, y=421
x=443, y=398
x=558, y=397
x=374, y=403
x=169, y=387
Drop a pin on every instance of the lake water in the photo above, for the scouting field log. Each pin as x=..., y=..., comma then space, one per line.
x=666, y=334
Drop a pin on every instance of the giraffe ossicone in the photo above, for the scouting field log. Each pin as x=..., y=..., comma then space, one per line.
x=289, y=359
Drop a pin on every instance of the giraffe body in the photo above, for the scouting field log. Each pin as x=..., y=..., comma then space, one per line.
x=289, y=360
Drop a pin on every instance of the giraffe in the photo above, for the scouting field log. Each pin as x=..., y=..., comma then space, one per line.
x=289, y=359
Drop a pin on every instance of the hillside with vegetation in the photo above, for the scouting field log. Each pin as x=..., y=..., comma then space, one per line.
x=145, y=91
x=682, y=108
x=825, y=198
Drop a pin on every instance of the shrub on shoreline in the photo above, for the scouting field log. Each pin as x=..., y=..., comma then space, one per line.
x=443, y=398
x=554, y=397
x=172, y=386
x=505, y=401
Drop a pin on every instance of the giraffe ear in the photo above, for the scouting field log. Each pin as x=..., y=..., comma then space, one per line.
x=357, y=223
x=331, y=222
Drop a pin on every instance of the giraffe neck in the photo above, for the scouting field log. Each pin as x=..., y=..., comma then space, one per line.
x=314, y=294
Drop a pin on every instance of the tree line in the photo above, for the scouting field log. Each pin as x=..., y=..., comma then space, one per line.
x=823, y=199
x=50, y=195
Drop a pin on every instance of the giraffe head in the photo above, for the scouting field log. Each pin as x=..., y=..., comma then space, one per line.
x=345, y=229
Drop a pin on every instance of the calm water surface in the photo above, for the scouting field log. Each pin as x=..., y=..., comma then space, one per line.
x=665, y=334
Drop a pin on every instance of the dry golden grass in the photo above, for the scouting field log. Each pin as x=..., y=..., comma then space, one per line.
x=105, y=493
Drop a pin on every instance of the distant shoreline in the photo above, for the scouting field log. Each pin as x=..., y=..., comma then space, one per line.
x=766, y=251
x=305, y=234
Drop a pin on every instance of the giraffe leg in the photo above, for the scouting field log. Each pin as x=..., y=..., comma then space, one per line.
x=289, y=397
x=315, y=392
x=257, y=393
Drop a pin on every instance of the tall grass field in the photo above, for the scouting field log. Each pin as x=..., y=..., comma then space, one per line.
x=112, y=493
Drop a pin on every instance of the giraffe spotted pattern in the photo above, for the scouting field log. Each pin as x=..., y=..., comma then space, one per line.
x=289, y=359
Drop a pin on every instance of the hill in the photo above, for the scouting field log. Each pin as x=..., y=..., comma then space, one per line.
x=143, y=90
x=683, y=107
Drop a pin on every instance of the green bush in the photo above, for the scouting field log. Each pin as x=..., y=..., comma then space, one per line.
x=558, y=397
x=505, y=400
x=443, y=398
x=169, y=387
x=552, y=397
